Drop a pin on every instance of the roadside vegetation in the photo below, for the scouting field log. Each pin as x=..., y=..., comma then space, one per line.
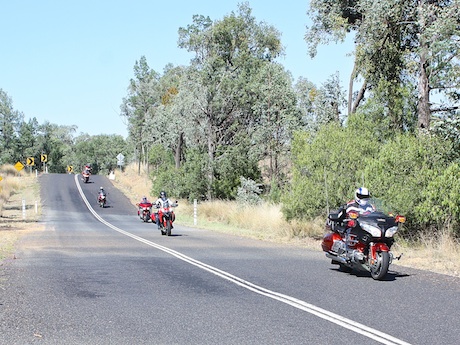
x=265, y=221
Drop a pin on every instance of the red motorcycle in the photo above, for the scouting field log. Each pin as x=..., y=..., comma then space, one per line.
x=85, y=175
x=166, y=217
x=362, y=240
x=102, y=199
x=145, y=211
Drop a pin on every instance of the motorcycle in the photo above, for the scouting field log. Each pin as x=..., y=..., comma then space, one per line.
x=144, y=211
x=166, y=217
x=361, y=240
x=85, y=176
x=102, y=199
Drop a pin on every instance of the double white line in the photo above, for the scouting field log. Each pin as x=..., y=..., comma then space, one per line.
x=296, y=303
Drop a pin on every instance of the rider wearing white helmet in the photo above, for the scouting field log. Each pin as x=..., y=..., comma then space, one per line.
x=361, y=201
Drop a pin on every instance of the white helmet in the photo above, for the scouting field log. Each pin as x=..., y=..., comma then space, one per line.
x=362, y=195
x=101, y=188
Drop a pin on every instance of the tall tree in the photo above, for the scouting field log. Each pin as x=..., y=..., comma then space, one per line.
x=226, y=53
x=138, y=107
x=277, y=117
x=10, y=122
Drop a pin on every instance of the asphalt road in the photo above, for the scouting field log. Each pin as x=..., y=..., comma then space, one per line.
x=101, y=276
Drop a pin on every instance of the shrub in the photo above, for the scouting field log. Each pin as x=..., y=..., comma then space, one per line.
x=249, y=192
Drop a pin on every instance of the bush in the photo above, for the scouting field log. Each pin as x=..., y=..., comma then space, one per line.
x=249, y=192
x=327, y=168
x=403, y=169
x=441, y=201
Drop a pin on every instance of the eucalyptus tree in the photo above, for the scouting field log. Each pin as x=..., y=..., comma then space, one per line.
x=28, y=138
x=402, y=42
x=170, y=119
x=276, y=117
x=56, y=141
x=10, y=122
x=320, y=105
x=139, y=107
x=227, y=52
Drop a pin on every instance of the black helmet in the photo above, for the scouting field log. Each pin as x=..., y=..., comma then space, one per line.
x=163, y=194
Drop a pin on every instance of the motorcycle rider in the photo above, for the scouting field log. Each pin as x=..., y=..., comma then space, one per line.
x=159, y=203
x=361, y=203
x=101, y=194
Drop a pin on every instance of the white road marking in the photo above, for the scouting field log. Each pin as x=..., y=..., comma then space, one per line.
x=296, y=303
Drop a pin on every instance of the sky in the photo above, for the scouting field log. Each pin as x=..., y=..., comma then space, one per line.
x=70, y=62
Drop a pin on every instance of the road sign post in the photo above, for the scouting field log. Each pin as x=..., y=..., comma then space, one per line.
x=120, y=160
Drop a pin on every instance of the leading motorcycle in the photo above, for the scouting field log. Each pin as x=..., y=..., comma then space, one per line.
x=166, y=217
x=362, y=239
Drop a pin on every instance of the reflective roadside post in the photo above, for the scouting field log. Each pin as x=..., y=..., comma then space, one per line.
x=195, y=211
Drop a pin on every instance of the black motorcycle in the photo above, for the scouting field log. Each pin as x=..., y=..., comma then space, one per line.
x=361, y=239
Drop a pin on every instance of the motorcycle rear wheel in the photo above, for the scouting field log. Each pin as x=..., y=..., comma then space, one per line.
x=380, y=269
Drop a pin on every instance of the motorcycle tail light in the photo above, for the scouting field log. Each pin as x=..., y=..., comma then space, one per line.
x=351, y=223
x=400, y=219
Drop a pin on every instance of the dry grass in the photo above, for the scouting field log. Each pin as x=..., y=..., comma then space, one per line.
x=438, y=254
x=15, y=220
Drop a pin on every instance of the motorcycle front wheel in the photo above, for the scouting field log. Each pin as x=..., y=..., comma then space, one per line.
x=380, y=268
x=168, y=228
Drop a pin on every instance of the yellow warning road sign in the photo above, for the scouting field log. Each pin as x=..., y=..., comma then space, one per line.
x=44, y=158
x=30, y=161
x=19, y=166
x=70, y=168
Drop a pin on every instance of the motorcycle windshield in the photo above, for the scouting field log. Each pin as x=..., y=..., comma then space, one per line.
x=373, y=205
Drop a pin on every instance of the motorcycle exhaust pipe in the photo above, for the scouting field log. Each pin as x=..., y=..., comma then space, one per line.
x=336, y=258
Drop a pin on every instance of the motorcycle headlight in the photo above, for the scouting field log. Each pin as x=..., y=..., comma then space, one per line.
x=391, y=231
x=373, y=230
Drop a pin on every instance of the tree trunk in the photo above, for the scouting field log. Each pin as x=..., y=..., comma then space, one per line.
x=211, y=146
x=359, y=98
x=350, y=89
x=178, y=153
x=423, y=105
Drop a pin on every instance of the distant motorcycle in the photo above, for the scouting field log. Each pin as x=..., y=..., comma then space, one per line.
x=145, y=211
x=102, y=199
x=362, y=241
x=85, y=176
x=166, y=217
